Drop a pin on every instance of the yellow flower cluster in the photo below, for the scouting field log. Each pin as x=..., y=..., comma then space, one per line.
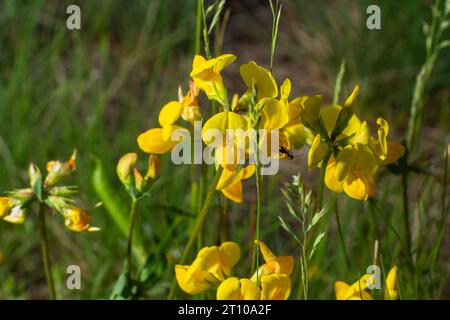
x=13, y=208
x=338, y=139
x=212, y=269
x=352, y=155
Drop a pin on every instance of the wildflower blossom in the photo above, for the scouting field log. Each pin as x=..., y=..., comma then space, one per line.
x=211, y=266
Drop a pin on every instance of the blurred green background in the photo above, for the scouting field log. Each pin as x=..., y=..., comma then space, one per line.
x=97, y=88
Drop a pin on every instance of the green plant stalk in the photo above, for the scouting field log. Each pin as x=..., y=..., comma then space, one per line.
x=199, y=225
x=304, y=265
x=198, y=28
x=341, y=234
x=45, y=256
x=320, y=191
x=130, y=234
x=258, y=212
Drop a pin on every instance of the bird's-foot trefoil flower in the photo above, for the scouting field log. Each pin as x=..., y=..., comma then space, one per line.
x=211, y=266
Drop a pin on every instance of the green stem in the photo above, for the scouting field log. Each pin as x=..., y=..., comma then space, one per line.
x=258, y=213
x=130, y=233
x=45, y=256
x=320, y=191
x=199, y=225
x=198, y=29
x=341, y=234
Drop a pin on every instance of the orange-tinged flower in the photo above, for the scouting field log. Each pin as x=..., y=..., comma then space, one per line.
x=274, y=264
x=77, y=220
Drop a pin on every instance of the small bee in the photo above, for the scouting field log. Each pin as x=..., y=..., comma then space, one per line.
x=285, y=153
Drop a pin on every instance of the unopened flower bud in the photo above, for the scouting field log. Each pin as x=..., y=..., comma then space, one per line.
x=125, y=167
x=139, y=181
x=34, y=175
x=154, y=167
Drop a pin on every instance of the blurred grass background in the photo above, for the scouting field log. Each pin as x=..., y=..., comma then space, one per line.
x=97, y=88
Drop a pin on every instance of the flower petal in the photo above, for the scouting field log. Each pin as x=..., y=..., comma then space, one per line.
x=170, y=113
x=152, y=141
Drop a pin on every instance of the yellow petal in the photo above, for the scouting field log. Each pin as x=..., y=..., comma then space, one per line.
x=221, y=122
x=391, y=292
x=394, y=152
x=330, y=180
x=268, y=255
x=357, y=186
x=362, y=135
x=365, y=161
x=229, y=254
x=275, y=287
x=274, y=115
x=352, y=98
x=170, y=113
x=311, y=111
x=341, y=290
x=317, y=152
x=235, y=289
x=234, y=192
x=261, y=78
x=191, y=281
x=152, y=141
x=354, y=124
x=383, y=131
x=285, y=89
x=329, y=116
x=6, y=205
x=344, y=163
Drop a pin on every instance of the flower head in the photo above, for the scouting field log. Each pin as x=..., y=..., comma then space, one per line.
x=207, y=75
x=77, y=220
x=58, y=170
x=211, y=266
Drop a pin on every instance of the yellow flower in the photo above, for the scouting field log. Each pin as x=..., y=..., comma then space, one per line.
x=77, y=220
x=207, y=77
x=11, y=211
x=273, y=287
x=191, y=110
x=259, y=78
x=159, y=140
x=58, y=170
x=294, y=131
x=391, y=292
x=274, y=264
x=211, y=266
x=357, y=183
x=356, y=291
x=230, y=182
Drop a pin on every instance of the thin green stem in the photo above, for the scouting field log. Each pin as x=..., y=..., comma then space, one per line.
x=130, y=233
x=341, y=234
x=45, y=256
x=258, y=212
x=320, y=191
x=199, y=225
x=198, y=28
